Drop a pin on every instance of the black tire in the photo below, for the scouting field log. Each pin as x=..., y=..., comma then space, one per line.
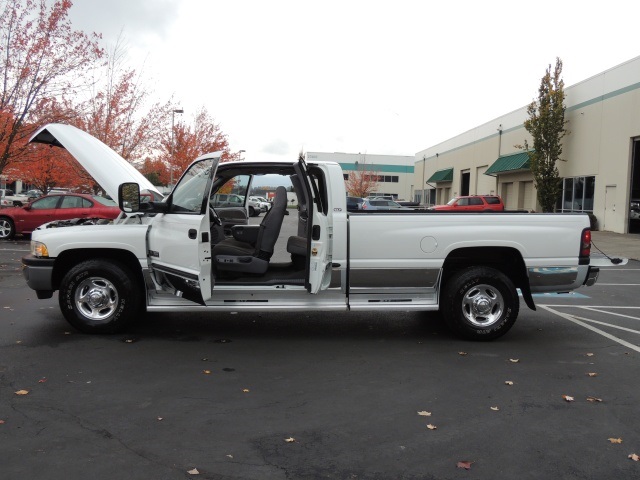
x=480, y=303
x=100, y=296
x=7, y=228
x=252, y=212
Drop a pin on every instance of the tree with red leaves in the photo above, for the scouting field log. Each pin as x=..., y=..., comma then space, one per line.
x=41, y=58
x=361, y=182
x=204, y=136
x=47, y=168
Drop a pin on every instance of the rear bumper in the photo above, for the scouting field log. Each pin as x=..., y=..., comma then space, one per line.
x=592, y=276
x=38, y=272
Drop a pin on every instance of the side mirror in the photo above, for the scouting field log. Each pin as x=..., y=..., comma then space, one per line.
x=129, y=197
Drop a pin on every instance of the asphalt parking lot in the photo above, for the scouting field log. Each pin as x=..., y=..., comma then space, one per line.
x=311, y=395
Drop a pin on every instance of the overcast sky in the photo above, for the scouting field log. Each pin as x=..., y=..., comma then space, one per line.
x=377, y=77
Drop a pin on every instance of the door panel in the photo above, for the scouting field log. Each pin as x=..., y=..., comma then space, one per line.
x=179, y=242
x=179, y=247
x=41, y=211
x=319, y=233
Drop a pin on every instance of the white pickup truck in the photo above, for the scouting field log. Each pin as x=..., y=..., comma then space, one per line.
x=10, y=199
x=182, y=254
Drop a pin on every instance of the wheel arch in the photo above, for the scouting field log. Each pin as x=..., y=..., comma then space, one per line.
x=68, y=259
x=507, y=260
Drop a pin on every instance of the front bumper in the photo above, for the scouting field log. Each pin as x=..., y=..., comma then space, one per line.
x=592, y=276
x=38, y=272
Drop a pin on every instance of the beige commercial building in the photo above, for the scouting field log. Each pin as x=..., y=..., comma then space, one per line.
x=395, y=172
x=601, y=167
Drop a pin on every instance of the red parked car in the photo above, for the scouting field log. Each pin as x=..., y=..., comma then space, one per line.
x=473, y=203
x=21, y=220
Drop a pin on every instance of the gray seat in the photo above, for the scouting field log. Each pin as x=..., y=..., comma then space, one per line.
x=236, y=255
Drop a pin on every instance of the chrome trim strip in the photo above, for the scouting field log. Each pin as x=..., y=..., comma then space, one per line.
x=368, y=278
x=545, y=277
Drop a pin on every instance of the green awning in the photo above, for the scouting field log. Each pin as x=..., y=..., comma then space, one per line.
x=509, y=163
x=444, y=175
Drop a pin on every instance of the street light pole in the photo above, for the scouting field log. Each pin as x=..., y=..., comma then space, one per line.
x=240, y=152
x=173, y=117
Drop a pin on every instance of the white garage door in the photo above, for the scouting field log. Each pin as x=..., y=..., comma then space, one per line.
x=510, y=203
x=528, y=198
x=485, y=184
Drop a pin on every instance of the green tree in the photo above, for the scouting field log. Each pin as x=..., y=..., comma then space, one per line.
x=546, y=124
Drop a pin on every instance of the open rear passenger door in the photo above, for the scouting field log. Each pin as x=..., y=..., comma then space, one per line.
x=318, y=234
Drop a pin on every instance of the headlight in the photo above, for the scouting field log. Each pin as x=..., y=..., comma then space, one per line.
x=39, y=249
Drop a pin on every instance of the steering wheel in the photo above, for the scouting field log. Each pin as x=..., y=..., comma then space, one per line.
x=213, y=216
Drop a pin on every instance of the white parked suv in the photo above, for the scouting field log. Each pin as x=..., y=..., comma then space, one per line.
x=262, y=202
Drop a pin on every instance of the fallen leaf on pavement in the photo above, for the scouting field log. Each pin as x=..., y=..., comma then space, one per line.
x=593, y=399
x=508, y=382
x=592, y=374
x=206, y=372
x=465, y=464
x=589, y=354
x=1, y=422
x=193, y=472
x=615, y=440
x=432, y=427
x=424, y=413
x=495, y=409
x=290, y=440
x=568, y=398
x=462, y=353
x=230, y=456
x=22, y=392
x=514, y=360
x=245, y=390
x=42, y=380
x=160, y=419
x=634, y=457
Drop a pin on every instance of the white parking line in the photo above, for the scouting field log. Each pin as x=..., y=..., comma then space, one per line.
x=588, y=306
x=618, y=269
x=590, y=320
x=610, y=313
x=591, y=327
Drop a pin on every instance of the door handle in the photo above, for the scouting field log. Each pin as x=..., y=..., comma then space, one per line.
x=193, y=233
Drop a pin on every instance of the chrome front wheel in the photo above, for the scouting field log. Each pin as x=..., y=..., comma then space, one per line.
x=100, y=296
x=96, y=298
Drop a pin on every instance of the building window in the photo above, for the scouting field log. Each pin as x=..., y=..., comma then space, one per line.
x=577, y=194
x=346, y=176
x=388, y=178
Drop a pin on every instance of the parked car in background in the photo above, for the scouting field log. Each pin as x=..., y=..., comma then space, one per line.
x=33, y=194
x=232, y=200
x=354, y=203
x=24, y=220
x=261, y=202
x=473, y=203
x=382, y=204
x=10, y=199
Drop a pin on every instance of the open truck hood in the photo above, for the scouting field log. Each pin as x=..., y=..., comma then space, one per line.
x=106, y=167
